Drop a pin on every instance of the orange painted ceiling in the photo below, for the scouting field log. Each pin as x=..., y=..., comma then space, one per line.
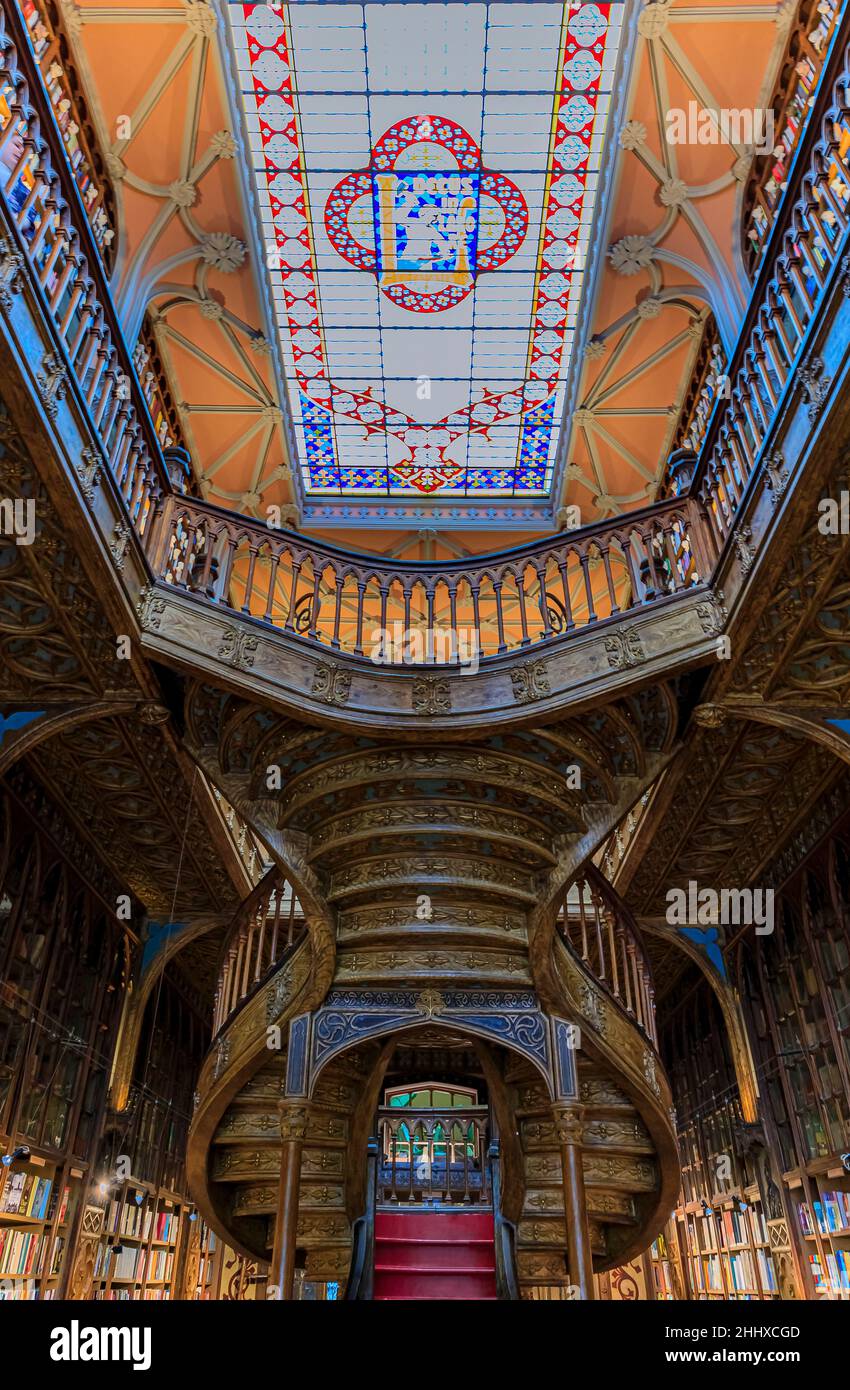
x=157, y=78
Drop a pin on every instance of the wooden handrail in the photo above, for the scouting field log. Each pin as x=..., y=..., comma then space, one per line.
x=518, y=598
x=361, y=1277
x=597, y=927
x=505, y=1231
x=255, y=944
x=54, y=238
x=807, y=239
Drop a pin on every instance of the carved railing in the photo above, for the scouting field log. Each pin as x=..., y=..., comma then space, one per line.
x=807, y=239
x=797, y=81
x=267, y=924
x=599, y=930
x=62, y=83
x=530, y=595
x=247, y=845
x=706, y=383
x=504, y=1231
x=521, y=597
x=55, y=240
x=433, y=1157
x=611, y=854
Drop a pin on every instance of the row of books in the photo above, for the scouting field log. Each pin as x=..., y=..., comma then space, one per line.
x=21, y=1252
x=831, y=1213
x=837, y=1277
x=167, y=1226
x=129, y=1219
x=159, y=1263
x=26, y=1194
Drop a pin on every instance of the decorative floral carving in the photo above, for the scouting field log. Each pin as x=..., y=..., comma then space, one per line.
x=673, y=193
x=653, y=19
x=777, y=475
x=530, y=682
x=223, y=252
x=183, y=193
x=150, y=609
x=52, y=383
x=625, y=649
x=431, y=695
x=816, y=385
x=331, y=683
x=569, y=1126
x=88, y=471
x=632, y=135
x=712, y=614
x=237, y=648
x=294, y=1119
x=11, y=274
x=119, y=543
x=742, y=541
x=631, y=254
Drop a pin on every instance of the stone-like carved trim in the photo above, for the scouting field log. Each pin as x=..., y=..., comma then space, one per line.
x=510, y=1017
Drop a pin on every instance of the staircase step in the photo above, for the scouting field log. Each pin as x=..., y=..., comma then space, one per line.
x=434, y=1283
x=418, y=1254
x=434, y=1225
x=434, y=1298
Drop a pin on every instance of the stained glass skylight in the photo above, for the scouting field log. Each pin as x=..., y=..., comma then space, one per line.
x=426, y=175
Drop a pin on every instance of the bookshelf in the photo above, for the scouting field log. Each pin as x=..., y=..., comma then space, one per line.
x=823, y=1212
x=727, y=1249
x=139, y=1254
x=38, y=1203
x=661, y=1260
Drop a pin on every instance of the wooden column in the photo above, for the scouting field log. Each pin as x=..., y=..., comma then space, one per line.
x=293, y=1131
x=569, y=1128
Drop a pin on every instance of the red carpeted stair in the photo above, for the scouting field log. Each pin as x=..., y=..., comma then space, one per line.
x=434, y=1254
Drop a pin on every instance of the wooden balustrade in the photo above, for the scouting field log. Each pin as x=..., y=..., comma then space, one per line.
x=522, y=597
x=807, y=239
x=433, y=1157
x=267, y=924
x=43, y=204
x=598, y=928
x=796, y=84
x=64, y=88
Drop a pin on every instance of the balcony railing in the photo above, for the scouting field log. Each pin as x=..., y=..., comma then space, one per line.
x=598, y=928
x=50, y=42
x=525, y=597
x=434, y=1157
x=57, y=242
x=516, y=599
x=806, y=241
x=798, y=79
x=266, y=925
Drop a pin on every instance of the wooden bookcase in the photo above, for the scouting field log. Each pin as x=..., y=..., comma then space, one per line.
x=661, y=1261
x=822, y=1203
x=727, y=1249
x=38, y=1203
x=140, y=1252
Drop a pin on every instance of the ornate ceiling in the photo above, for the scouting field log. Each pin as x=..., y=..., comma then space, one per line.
x=576, y=282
